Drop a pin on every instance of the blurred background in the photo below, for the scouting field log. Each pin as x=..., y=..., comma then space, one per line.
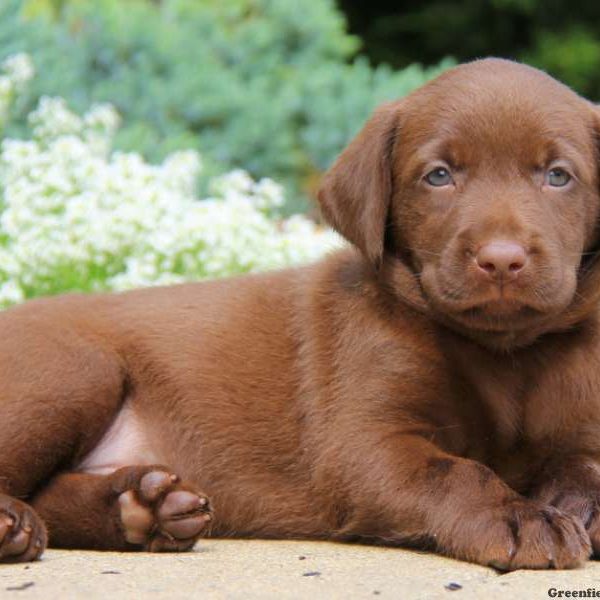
x=156, y=141
x=561, y=37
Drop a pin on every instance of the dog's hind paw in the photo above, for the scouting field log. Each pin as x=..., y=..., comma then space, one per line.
x=158, y=512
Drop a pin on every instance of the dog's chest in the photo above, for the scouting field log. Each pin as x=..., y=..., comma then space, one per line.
x=497, y=399
x=530, y=415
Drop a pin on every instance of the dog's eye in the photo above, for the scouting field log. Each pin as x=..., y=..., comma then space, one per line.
x=557, y=177
x=438, y=177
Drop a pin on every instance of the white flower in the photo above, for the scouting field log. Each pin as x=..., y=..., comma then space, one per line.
x=19, y=68
x=53, y=118
x=103, y=117
x=10, y=293
x=16, y=70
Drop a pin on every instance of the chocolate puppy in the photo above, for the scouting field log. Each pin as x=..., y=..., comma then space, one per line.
x=437, y=384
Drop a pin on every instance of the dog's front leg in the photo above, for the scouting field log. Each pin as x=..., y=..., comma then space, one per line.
x=405, y=489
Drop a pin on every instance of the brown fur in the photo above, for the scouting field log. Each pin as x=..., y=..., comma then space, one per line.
x=391, y=393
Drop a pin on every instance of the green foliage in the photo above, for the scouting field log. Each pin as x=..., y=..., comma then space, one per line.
x=265, y=85
x=356, y=89
x=572, y=55
x=559, y=36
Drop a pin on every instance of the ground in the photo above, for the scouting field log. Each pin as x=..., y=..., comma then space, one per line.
x=234, y=569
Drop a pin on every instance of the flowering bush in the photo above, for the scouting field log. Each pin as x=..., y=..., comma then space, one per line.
x=75, y=215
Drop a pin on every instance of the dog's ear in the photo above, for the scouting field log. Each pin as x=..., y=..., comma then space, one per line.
x=356, y=192
x=587, y=298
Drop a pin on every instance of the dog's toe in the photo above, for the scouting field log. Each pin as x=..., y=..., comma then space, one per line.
x=184, y=514
x=154, y=484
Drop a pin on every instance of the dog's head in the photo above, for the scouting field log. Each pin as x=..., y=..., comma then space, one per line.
x=483, y=184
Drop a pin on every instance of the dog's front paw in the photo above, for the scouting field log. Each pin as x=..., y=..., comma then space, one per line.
x=586, y=506
x=158, y=512
x=525, y=534
x=545, y=537
x=23, y=535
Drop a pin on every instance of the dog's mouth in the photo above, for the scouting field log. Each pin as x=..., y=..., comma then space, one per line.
x=500, y=315
x=500, y=309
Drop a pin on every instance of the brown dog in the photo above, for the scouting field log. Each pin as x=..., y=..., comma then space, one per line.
x=438, y=387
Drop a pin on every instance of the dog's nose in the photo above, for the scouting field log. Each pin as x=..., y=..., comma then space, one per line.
x=501, y=259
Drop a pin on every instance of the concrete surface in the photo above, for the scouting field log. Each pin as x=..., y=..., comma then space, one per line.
x=278, y=570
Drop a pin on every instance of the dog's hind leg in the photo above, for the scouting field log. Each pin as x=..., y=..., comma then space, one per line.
x=60, y=387
x=133, y=508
